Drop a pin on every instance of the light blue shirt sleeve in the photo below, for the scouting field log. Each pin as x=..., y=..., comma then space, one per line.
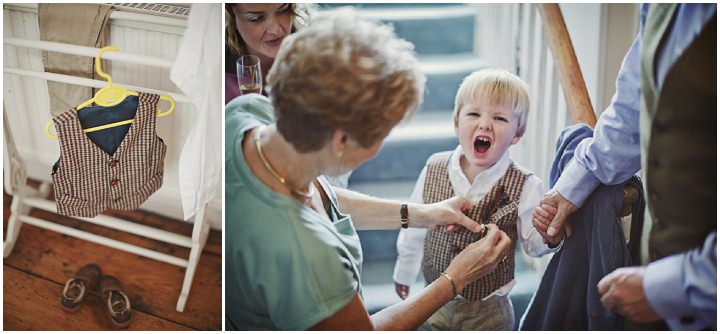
x=612, y=154
x=682, y=288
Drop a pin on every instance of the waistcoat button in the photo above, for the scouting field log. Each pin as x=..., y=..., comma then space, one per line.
x=113, y=163
x=113, y=183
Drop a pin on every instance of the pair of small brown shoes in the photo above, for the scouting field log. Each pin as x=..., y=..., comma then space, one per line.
x=89, y=279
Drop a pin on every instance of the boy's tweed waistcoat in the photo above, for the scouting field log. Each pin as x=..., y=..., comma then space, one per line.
x=89, y=180
x=499, y=206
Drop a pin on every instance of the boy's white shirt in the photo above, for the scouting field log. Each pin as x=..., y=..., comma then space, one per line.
x=410, y=241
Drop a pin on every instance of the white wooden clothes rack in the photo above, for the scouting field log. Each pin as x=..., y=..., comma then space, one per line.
x=26, y=198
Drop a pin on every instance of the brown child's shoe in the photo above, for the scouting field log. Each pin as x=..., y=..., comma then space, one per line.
x=115, y=302
x=77, y=288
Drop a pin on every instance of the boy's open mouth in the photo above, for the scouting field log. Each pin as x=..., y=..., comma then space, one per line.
x=482, y=144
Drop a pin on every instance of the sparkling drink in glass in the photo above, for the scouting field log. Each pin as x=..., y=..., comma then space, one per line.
x=249, y=74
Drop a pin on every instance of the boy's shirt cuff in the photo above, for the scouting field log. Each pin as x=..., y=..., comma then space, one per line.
x=576, y=183
x=402, y=275
x=556, y=248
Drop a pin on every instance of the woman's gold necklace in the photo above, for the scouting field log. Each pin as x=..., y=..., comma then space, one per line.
x=307, y=195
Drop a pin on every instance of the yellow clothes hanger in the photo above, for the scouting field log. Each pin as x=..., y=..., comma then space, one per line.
x=110, y=96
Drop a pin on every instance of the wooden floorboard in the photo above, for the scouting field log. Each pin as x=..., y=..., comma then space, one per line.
x=48, y=259
x=44, y=312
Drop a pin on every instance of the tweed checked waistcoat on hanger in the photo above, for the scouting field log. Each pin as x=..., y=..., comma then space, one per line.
x=499, y=206
x=89, y=180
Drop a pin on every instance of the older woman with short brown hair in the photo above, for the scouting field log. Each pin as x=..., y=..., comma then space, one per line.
x=293, y=257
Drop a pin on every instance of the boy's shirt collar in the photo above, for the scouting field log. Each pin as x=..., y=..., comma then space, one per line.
x=483, y=182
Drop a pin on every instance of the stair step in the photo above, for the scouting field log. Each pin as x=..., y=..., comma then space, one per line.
x=426, y=125
x=389, y=6
x=401, y=160
x=433, y=29
x=444, y=75
x=407, y=148
x=398, y=190
x=415, y=12
x=464, y=62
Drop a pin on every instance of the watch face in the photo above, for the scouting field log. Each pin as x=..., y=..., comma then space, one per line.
x=404, y=215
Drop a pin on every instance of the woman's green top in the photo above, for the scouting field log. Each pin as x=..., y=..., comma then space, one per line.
x=286, y=266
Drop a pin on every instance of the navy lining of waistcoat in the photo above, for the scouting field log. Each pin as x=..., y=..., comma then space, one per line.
x=108, y=140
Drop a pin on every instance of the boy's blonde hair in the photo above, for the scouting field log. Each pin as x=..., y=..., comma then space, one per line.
x=498, y=87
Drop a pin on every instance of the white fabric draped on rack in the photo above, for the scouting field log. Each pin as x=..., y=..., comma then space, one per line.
x=197, y=60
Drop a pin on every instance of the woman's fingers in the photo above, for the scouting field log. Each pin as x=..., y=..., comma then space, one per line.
x=449, y=229
x=464, y=203
x=482, y=256
x=499, y=241
x=470, y=224
x=503, y=244
x=492, y=233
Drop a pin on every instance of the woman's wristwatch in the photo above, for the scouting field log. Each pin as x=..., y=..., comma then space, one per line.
x=404, y=215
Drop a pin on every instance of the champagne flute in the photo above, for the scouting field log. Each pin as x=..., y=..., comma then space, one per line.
x=249, y=74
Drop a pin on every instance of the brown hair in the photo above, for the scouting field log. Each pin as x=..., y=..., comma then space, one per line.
x=300, y=13
x=341, y=72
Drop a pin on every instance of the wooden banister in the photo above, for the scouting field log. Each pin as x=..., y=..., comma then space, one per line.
x=571, y=77
x=572, y=82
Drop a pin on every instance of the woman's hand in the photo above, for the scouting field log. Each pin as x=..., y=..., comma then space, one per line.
x=479, y=258
x=448, y=212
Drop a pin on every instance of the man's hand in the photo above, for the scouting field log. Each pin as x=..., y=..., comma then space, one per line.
x=622, y=292
x=448, y=212
x=542, y=216
x=564, y=209
x=402, y=290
